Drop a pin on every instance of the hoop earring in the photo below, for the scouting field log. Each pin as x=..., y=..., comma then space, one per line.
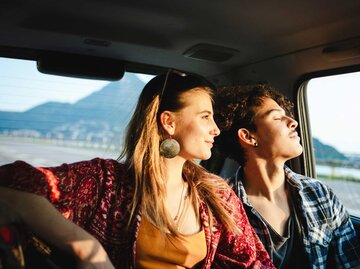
x=169, y=148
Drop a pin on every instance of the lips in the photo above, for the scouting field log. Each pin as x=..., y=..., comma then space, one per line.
x=294, y=134
x=210, y=142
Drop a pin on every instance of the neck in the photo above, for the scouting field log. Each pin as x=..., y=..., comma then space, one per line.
x=263, y=178
x=173, y=172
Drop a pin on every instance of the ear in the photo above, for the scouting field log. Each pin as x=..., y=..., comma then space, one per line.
x=245, y=137
x=167, y=120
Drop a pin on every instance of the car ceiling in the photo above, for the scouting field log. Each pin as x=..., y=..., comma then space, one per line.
x=159, y=33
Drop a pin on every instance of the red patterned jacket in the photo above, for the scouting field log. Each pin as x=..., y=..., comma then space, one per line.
x=96, y=195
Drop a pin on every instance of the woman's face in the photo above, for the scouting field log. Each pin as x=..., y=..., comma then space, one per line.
x=195, y=126
x=276, y=132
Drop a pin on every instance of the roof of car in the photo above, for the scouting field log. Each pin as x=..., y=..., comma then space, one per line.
x=206, y=37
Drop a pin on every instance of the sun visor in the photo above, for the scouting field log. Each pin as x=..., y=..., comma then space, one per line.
x=80, y=66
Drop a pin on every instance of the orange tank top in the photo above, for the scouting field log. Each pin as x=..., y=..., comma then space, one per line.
x=154, y=251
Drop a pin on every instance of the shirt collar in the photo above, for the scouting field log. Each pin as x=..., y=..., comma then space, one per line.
x=293, y=179
x=239, y=175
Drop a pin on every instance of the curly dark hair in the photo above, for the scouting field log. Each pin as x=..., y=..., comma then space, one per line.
x=235, y=108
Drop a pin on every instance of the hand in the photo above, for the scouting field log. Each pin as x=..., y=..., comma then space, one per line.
x=58, y=232
x=92, y=255
x=101, y=265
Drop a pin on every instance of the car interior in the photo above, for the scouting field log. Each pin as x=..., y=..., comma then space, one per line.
x=284, y=43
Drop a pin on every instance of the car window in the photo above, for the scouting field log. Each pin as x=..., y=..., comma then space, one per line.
x=333, y=104
x=47, y=120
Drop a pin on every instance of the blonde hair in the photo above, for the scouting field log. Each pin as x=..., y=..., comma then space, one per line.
x=141, y=149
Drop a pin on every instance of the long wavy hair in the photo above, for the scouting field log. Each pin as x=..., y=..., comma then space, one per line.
x=145, y=164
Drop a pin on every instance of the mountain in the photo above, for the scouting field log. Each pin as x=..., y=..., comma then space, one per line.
x=107, y=109
x=325, y=152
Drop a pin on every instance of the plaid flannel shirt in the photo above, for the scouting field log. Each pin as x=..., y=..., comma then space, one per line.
x=329, y=237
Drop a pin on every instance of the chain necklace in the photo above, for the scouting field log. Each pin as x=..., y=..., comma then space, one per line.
x=181, y=204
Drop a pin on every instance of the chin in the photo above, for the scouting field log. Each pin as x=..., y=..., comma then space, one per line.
x=205, y=157
x=298, y=151
x=295, y=152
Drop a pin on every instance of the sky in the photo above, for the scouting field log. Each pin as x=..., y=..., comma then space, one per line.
x=334, y=109
x=334, y=121
x=25, y=87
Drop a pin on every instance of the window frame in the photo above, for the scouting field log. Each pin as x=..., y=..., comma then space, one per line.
x=308, y=161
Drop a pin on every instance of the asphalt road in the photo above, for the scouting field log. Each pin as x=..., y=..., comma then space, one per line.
x=41, y=154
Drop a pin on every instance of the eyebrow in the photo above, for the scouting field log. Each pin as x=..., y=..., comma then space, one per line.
x=268, y=112
x=205, y=111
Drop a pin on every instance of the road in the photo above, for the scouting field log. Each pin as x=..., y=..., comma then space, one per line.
x=41, y=154
x=348, y=193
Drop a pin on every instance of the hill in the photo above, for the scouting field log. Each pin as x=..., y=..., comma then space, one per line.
x=325, y=152
x=97, y=117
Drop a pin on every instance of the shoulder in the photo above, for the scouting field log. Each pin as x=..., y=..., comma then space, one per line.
x=213, y=177
x=307, y=185
x=108, y=169
x=86, y=165
x=224, y=191
x=219, y=182
x=96, y=165
x=96, y=169
x=318, y=201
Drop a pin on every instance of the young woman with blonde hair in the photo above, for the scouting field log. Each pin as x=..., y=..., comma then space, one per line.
x=156, y=209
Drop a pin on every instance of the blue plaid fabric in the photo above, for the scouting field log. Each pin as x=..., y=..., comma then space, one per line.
x=329, y=237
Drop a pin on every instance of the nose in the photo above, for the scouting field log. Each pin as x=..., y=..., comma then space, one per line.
x=292, y=123
x=216, y=130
